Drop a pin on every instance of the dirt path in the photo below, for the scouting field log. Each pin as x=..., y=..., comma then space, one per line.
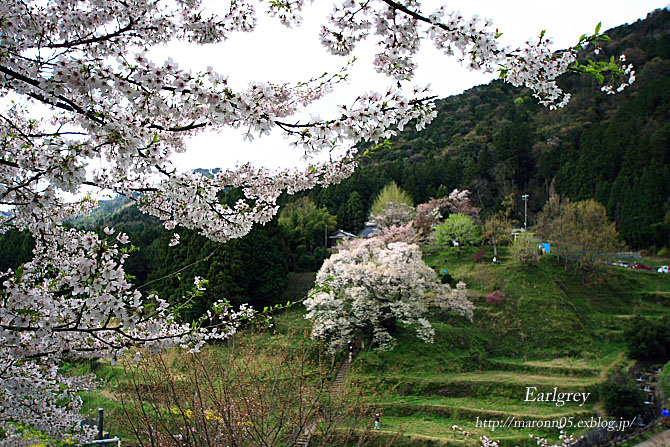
x=603, y=373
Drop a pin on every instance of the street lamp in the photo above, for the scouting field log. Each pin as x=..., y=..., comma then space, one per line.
x=525, y=211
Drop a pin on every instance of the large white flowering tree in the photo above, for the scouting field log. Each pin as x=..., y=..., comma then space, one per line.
x=84, y=106
x=369, y=287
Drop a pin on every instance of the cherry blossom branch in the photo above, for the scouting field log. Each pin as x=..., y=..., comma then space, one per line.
x=97, y=39
x=66, y=104
x=9, y=163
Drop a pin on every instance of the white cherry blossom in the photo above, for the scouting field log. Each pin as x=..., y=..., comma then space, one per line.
x=369, y=286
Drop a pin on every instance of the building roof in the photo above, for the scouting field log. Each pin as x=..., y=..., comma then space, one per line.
x=368, y=231
x=341, y=234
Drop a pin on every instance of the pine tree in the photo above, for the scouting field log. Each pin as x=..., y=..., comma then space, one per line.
x=617, y=199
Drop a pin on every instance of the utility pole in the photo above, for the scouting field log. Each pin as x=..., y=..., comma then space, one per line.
x=525, y=211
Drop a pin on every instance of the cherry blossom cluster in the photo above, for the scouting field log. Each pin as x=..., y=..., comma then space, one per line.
x=396, y=26
x=627, y=71
x=348, y=30
x=475, y=44
x=73, y=300
x=398, y=233
x=396, y=223
x=400, y=26
x=431, y=213
x=537, y=68
x=288, y=12
x=566, y=440
x=399, y=39
x=30, y=389
x=394, y=214
x=485, y=441
x=372, y=286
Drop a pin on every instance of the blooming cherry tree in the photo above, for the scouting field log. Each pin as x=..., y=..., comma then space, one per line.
x=393, y=214
x=430, y=214
x=370, y=287
x=83, y=106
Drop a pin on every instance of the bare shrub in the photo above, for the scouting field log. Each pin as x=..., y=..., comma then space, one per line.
x=248, y=393
x=496, y=297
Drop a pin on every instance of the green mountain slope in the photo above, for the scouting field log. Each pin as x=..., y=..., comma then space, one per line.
x=497, y=141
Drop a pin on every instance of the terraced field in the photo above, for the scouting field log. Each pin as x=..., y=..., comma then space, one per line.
x=424, y=408
x=555, y=331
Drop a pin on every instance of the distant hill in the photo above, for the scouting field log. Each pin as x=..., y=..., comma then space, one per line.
x=103, y=213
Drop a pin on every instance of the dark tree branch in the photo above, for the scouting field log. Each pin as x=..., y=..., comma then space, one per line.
x=79, y=42
x=8, y=163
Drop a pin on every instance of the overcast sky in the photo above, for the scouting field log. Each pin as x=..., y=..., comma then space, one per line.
x=274, y=53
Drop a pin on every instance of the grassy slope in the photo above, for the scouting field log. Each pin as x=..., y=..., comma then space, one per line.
x=553, y=330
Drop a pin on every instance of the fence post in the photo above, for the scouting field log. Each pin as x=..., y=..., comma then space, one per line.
x=101, y=420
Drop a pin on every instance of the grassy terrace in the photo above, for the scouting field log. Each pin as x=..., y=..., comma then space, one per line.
x=493, y=405
x=556, y=328
x=435, y=430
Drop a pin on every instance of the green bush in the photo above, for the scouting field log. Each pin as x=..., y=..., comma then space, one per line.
x=648, y=339
x=459, y=228
x=621, y=396
x=525, y=248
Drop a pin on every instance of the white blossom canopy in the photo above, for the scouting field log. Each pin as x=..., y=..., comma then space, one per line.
x=370, y=285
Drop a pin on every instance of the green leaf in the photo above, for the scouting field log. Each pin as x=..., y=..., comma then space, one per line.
x=598, y=27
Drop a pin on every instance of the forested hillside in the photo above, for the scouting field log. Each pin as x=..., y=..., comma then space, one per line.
x=497, y=141
x=494, y=140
